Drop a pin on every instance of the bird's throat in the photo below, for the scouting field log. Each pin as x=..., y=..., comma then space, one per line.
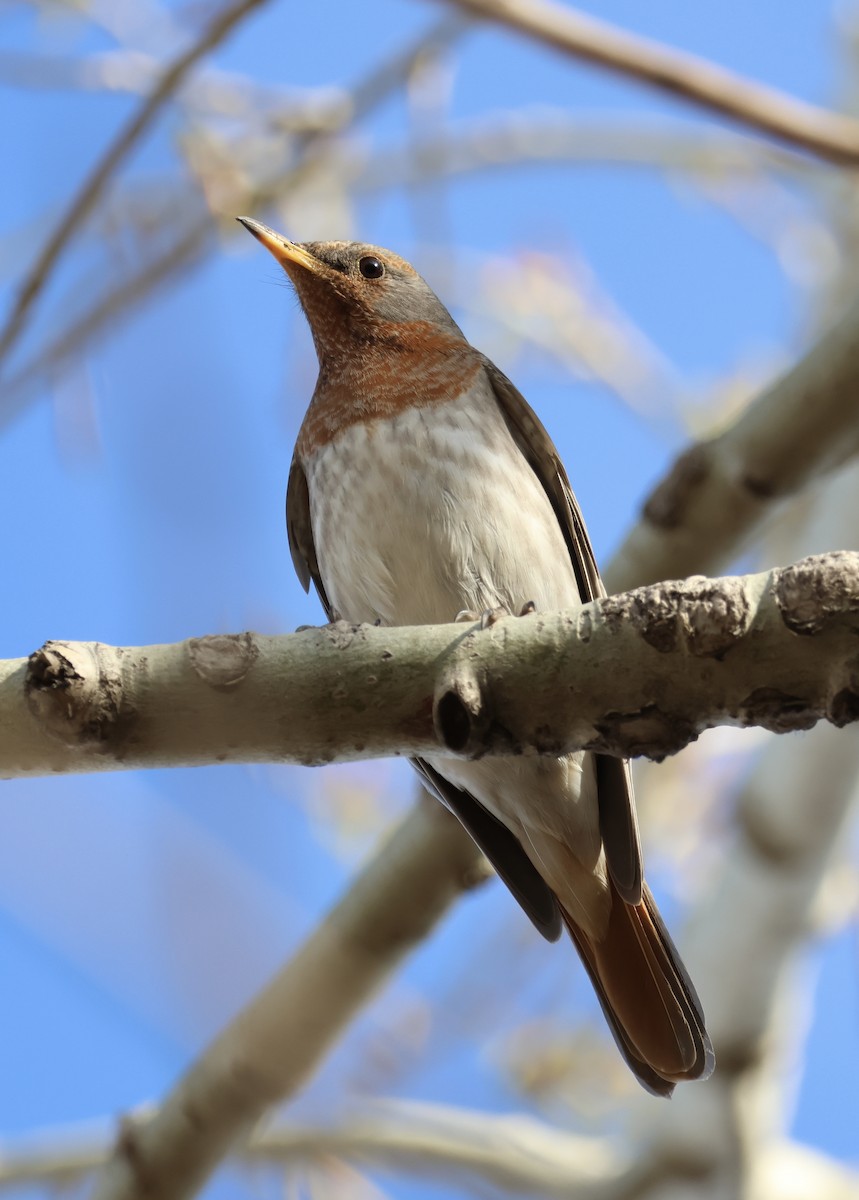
x=406, y=366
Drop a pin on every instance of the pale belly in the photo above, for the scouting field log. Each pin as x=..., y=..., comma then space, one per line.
x=435, y=511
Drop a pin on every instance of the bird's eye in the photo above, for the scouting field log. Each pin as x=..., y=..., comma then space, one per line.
x=370, y=267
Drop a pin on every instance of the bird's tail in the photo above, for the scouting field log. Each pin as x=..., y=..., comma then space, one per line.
x=646, y=995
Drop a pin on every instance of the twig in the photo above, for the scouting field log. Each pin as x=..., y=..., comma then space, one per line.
x=499, y=141
x=93, y=186
x=826, y=134
x=118, y=301
x=210, y=92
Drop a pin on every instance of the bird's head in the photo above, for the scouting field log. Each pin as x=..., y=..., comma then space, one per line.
x=352, y=292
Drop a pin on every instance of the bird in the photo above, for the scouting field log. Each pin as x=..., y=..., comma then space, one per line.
x=423, y=486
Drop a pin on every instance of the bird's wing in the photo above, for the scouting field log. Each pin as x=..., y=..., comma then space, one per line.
x=300, y=534
x=494, y=839
x=503, y=850
x=618, y=823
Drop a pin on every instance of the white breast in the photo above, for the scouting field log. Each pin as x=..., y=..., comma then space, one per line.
x=433, y=511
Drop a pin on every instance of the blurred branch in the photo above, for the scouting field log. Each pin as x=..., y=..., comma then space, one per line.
x=514, y=139
x=803, y=426
x=560, y=307
x=742, y=945
x=208, y=92
x=639, y=673
x=472, y=148
x=187, y=244
x=826, y=134
x=85, y=200
x=516, y=1154
x=745, y=942
x=270, y=1048
x=184, y=244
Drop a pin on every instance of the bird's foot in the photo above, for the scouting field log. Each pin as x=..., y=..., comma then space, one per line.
x=491, y=616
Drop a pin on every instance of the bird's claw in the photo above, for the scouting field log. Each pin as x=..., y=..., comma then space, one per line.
x=491, y=616
x=487, y=618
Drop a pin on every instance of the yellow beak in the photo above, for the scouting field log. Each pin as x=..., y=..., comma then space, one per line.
x=287, y=253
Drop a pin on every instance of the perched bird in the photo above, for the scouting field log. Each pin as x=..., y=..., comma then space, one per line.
x=422, y=484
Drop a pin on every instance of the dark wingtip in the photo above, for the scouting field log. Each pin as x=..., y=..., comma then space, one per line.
x=502, y=848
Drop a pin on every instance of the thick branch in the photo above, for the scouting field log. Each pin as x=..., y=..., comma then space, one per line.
x=800, y=428
x=641, y=673
x=712, y=87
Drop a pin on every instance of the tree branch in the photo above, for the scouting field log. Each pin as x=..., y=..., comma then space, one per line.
x=801, y=427
x=641, y=673
x=501, y=140
x=85, y=200
x=270, y=1048
x=513, y=1153
x=827, y=134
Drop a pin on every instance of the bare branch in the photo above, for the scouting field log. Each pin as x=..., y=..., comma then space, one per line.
x=210, y=92
x=221, y=25
x=515, y=1153
x=273, y=1045
x=502, y=140
x=827, y=134
x=642, y=672
x=803, y=425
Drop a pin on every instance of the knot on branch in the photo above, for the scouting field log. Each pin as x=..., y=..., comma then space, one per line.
x=813, y=591
x=667, y=504
x=223, y=660
x=778, y=711
x=704, y=616
x=459, y=714
x=75, y=690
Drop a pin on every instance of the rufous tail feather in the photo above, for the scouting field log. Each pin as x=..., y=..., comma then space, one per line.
x=646, y=995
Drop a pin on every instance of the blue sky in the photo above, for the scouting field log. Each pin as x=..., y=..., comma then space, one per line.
x=144, y=503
